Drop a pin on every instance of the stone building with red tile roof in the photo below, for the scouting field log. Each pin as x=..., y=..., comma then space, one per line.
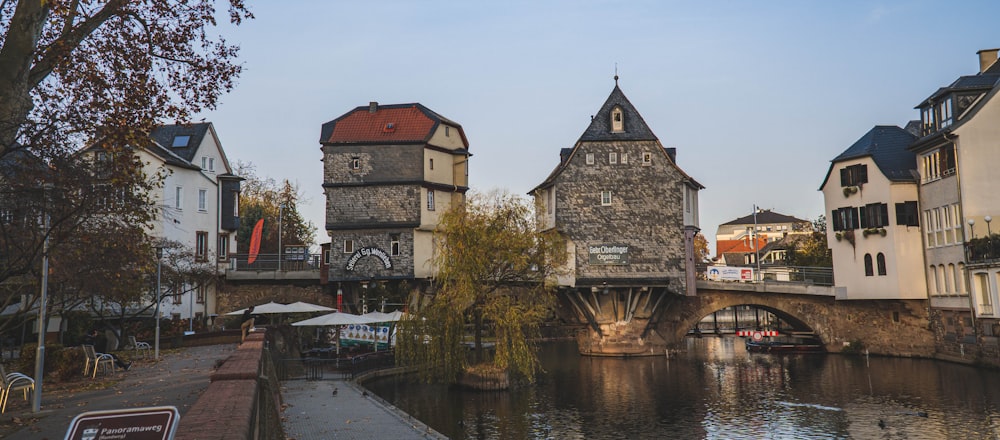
x=389, y=172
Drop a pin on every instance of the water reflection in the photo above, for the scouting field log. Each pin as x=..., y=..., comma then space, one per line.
x=716, y=390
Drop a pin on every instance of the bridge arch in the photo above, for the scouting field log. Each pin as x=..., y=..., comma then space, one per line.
x=789, y=309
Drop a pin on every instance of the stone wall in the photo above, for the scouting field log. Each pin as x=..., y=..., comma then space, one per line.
x=235, y=296
x=646, y=211
x=371, y=266
x=373, y=204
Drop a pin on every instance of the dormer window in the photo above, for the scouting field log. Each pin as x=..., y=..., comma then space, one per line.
x=617, y=120
x=181, y=141
x=944, y=113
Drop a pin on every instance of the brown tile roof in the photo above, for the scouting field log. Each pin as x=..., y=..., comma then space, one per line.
x=392, y=125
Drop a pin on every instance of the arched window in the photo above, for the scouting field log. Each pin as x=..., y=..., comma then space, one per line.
x=944, y=286
x=880, y=261
x=960, y=287
x=868, y=265
x=617, y=120
x=932, y=284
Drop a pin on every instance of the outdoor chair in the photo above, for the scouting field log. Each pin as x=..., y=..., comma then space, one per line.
x=139, y=347
x=14, y=382
x=97, y=360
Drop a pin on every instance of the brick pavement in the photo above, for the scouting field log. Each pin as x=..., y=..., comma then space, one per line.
x=312, y=412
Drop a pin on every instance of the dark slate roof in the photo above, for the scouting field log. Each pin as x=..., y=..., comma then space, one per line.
x=165, y=134
x=982, y=81
x=765, y=216
x=887, y=145
x=600, y=126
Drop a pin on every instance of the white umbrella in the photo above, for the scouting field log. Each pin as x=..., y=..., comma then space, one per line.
x=264, y=309
x=336, y=318
x=304, y=307
x=385, y=317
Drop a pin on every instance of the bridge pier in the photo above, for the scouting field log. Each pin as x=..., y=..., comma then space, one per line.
x=620, y=320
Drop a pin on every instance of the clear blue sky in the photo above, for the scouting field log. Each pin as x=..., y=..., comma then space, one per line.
x=757, y=96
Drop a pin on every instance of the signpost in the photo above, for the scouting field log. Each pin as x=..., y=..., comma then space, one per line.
x=153, y=423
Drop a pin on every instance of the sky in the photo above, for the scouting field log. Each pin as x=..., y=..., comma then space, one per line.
x=756, y=96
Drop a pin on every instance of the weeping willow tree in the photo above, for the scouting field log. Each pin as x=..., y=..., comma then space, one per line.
x=492, y=263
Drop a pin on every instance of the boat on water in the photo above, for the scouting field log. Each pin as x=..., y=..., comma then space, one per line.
x=785, y=344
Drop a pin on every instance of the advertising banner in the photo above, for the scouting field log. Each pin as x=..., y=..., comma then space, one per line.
x=729, y=273
x=608, y=254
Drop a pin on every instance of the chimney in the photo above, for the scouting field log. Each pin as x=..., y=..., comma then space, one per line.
x=373, y=107
x=986, y=58
x=672, y=153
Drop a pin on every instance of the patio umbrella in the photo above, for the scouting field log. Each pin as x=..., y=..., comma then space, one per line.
x=304, y=307
x=264, y=309
x=336, y=319
x=385, y=317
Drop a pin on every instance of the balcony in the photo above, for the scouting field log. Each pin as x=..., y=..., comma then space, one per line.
x=266, y=267
x=985, y=250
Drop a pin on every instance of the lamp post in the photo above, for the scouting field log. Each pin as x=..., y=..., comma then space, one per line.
x=281, y=207
x=156, y=312
x=36, y=404
x=972, y=227
x=989, y=237
x=756, y=246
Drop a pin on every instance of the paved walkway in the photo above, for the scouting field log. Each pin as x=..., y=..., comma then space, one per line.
x=178, y=379
x=313, y=412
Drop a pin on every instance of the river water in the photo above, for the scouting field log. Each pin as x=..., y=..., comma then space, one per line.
x=716, y=390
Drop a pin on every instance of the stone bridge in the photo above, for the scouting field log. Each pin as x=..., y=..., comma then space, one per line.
x=644, y=322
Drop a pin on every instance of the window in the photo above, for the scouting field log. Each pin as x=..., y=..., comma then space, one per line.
x=983, y=286
x=177, y=197
x=960, y=286
x=927, y=121
x=880, y=263
x=394, y=244
x=431, y=163
x=612, y=158
x=854, y=175
x=617, y=120
x=869, y=271
x=348, y=246
x=355, y=163
x=447, y=130
x=326, y=257
x=932, y=283
x=957, y=228
x=201, y=245
x=906, y=214
x=430, y=200
x=202, y=199
x=181, y=141
x=624, y=158
x=647, y=158
x=605, y=198
x=874, y=215
x=236, y=203
x=944, y=113
x=200, y=296
x=845, y=219
x=938, y=163
x=223, y=247
x=590, y=158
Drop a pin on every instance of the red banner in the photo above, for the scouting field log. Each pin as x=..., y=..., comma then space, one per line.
x=255, y=241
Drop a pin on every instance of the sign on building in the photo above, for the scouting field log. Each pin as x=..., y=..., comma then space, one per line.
x=608, y=253
x=729, y=273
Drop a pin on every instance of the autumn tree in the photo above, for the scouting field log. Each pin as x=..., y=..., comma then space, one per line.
x=701, y=252
x=75, y=73
x=266, y=198
x=813, y=251
x=492, y=263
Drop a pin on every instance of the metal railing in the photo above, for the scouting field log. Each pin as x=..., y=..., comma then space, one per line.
x=819, y=276
x=982, y=250
x=289, y=262
x=316, y=368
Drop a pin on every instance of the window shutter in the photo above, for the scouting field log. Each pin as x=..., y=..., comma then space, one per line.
x=845, y=179
x=884, y=221
x=854, y=217
x=862, y=174
x=836, y=220
x=863, y=215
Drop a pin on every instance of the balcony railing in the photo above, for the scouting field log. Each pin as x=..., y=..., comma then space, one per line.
x=983, y=250
x=269, y=262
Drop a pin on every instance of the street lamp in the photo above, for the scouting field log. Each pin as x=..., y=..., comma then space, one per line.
x=989, y=237
x=972, y=227
x=156, y=312
x=36, y=404
x=281, y=207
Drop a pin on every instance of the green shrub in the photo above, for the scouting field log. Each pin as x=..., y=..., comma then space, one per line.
x=61, y=363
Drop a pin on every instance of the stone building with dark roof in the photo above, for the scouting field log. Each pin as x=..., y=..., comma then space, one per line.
x=389, y=172
x=629, y=215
